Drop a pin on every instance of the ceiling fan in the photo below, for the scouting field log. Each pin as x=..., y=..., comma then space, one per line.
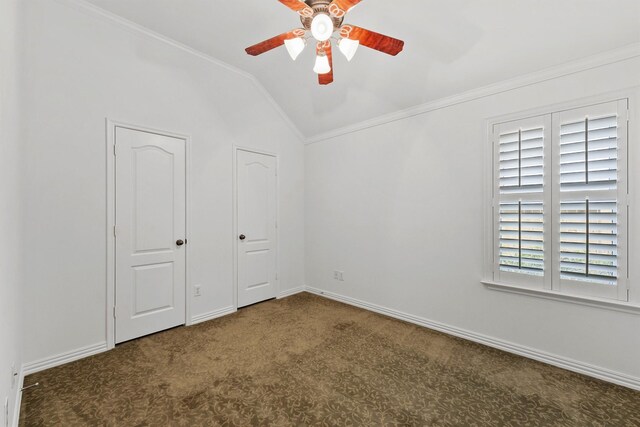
x=323, y=18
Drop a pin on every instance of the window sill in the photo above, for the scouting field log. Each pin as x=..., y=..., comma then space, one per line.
x=624, y=307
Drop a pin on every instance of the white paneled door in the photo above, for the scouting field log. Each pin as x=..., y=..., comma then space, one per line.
x=150, y=233
x=257, y=246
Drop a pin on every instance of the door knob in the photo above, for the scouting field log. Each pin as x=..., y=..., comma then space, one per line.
x=180, y=242
x=242, y=237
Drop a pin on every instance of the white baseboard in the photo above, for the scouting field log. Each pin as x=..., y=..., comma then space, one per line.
x=290, y=292
x=18, y=398
x=61, y=359
x=81, y=353
x=541, y=356
x=212, y=315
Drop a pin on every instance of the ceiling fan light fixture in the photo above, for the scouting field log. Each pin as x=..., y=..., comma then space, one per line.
x=322, y=64
x=322, y=27
x=322, y=21
x=295, y=47
x=348, y=47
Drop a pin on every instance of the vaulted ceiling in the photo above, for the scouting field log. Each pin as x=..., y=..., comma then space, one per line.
x=451, y=46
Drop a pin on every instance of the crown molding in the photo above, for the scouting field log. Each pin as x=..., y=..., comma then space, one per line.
x=609, y=57
x=606, y=58
x=98, y=12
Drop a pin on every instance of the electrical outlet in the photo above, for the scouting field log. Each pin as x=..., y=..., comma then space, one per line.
x=338, y=275
x=14, y=376
x=335, y=275
x=197, y=290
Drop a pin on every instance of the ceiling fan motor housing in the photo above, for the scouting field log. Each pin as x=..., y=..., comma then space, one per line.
x=320, y=6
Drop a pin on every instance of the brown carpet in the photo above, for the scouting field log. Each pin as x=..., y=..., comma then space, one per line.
x=306, y=360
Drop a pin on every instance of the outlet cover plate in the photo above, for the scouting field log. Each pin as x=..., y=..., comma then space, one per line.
x=14, y=376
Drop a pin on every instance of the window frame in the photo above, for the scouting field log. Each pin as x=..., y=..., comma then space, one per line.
x=551, y=289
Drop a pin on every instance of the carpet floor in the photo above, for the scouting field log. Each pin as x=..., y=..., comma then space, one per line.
x=306, y=360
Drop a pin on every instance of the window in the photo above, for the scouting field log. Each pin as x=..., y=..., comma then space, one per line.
x=560, y=201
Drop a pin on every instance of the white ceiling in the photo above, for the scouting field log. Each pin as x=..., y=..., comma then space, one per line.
x=451, y=46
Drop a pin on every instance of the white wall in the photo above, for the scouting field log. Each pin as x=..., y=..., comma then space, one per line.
x=399, y=208
x=83, y=69
x=379, y=204
x=11, y=271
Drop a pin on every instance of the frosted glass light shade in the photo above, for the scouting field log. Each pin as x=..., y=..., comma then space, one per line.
x=348, y=48
x=322, y=27
x=322, y=65
x=295, y=47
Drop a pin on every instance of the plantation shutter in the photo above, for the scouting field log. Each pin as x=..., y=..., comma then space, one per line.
x=522, y=161
x=591, y=200
x=519, y=201
x=589, y=241
x=589, y=154
x=522, y=237
x=560, y=201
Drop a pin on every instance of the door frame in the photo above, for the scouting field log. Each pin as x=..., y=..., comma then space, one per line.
x=111, y=126
x=234, y=231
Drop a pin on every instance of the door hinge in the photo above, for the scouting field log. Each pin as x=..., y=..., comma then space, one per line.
x=114, y=312
x=114, y=149
x=114, y=231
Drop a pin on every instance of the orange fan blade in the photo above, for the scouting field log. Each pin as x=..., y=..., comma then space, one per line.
x=298, y=6
x=338, y=8
x=372, y=39
x=325, y=79
x=274, y=42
